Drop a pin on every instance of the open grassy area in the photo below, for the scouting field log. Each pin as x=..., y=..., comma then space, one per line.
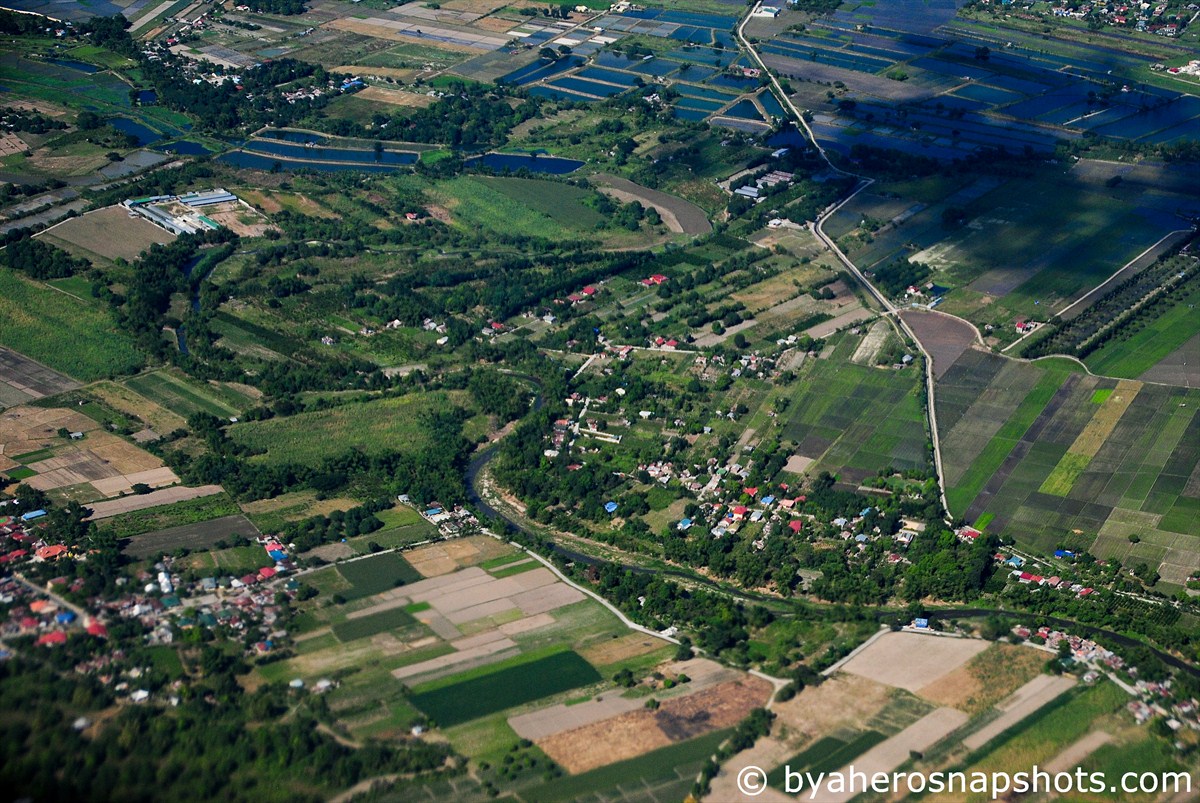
x=172, y=515
x=372, y=575
x=370, y=625
x=374, y=427
x=564, y=203
x=185, y=396
x=462, y=698
x=68, y=335
x=1160, y=335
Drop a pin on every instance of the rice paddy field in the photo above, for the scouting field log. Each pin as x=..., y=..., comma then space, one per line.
x=857, y=420
x=1056, y=458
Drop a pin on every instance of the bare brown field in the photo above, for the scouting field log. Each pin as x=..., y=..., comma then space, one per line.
x=495, y=24
x=912, y=660
x=100, y=459
x=10, y=143
x=637, y=732
x=986, y=679
x=393, y=35
x=619, y=649
x=891, y=753
x=475, y=6
x=242, y=219
x=438, y=559
x=943, y=336
x=395, y=97
x=110, y=232
x=298, y=505
x=23, y=379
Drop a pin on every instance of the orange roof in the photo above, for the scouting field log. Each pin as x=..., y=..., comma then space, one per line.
x=52, y=552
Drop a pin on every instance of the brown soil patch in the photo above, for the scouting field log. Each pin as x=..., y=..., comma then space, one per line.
x=395, y=97
x=986, y=679
x=440, y=213
x=620, y=649
x=912, y=660
x=944, y=336
x=242, y=219
x=495, y=24
x=111, y=233
x=475, y=6
x=846, y=700
x=127, y=401
x=392, y=35
x=638, y=732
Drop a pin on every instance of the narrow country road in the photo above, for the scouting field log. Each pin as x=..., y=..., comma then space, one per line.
x=892, y=311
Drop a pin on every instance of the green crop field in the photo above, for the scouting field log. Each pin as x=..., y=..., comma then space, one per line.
x=175, y=514
x=826, y=755
x=856, y=419
x=455, y=700
x=1022, y=450
x=476, y=205
x=185, y=397
x=563, y=202
x=68, y=335
x=374, y=427
x=372, y=624
x=1162, y=334
x=372, y=575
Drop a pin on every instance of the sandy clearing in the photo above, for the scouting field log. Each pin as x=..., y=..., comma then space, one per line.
x=556, y=719
x=840, y=322
x=798, y=464
x=1020, y=704
x=453, y=659
x=468, y=595
x=986, y=679
x=155, y=477
x=490, y=608
x=891, y=753
x=1073, y=754
x=541, y=600
x=113, y=507
x=912, y=660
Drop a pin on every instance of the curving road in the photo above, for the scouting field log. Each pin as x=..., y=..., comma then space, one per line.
x=891, y=310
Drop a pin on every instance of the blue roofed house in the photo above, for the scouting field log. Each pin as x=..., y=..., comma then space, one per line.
x=610, y=507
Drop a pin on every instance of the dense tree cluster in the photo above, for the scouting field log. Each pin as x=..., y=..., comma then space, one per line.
x=287, y=7
x=40, y=260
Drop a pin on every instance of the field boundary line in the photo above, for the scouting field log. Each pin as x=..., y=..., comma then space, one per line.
x=1119, y=271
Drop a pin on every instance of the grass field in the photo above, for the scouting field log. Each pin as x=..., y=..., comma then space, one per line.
x=373, y=575
x=66, y=334
x=1161, y=335
x=827, y=754
x=172, y=515
x=462, y=698
x=562, y=202
x=475, y=204
x=370, y=625
x=374, y=427
x=186, y=397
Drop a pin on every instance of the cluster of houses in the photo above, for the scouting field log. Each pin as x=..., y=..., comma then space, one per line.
x=1152, y=698
x=1150, y=17
x=1191, y=68
x=450, y=521
x=1021, y=574
x=28, y=611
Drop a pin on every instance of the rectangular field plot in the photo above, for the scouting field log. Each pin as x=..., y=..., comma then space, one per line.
x=200, y=535
x=452, y=701
x=372, y=624
x=373, y=575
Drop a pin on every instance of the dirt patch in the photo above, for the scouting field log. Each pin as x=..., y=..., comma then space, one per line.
x=167, y=496
x=110, y=232
x=868, y=350
x=688, y=218
x=201, y=535
x=395, y=97
x=637, y=732
x=620, y=649
x=944, y=336
x=912, y=661
x=1074, y=754
x=240, y=218
x=986, y=679
x=798, y=464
